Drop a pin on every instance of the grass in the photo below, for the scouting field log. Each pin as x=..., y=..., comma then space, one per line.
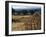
x=27, y=22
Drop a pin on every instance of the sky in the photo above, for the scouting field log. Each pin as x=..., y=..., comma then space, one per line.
x=24, y=7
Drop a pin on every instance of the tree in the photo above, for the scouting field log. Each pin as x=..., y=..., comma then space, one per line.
x=13, y=11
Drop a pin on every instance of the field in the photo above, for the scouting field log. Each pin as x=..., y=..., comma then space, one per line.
x=27, y=22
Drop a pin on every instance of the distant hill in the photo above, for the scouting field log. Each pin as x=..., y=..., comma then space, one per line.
x=25, y=11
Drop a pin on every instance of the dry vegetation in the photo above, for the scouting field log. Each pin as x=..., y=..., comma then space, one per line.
x=30, y=22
